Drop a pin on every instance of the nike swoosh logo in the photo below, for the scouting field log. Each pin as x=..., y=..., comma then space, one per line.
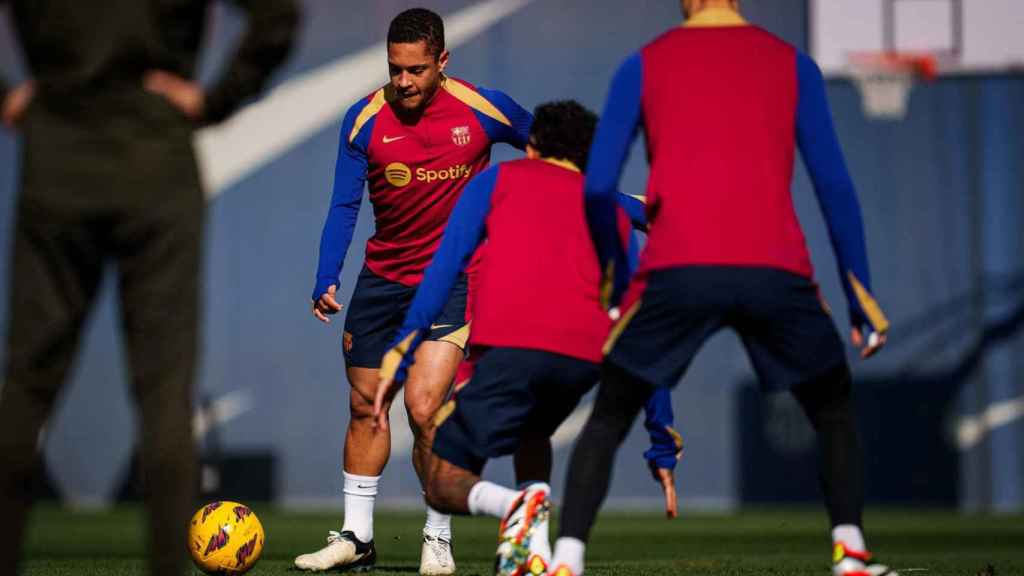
x=390, y=140
x=363, y=487
x=439, y=326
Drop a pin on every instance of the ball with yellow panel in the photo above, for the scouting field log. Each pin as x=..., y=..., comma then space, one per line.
x=225, y=538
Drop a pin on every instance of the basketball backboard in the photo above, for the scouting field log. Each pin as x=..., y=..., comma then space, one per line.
x=965, y=36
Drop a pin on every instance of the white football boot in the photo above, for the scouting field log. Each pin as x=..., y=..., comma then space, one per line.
x=436, y=556
x=343, y=551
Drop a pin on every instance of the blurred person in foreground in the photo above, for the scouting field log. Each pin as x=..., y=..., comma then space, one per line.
x=108, y=176
x=724, y=106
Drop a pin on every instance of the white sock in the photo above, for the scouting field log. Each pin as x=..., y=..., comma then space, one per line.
x=438, y=525
x=569, y=552
x=850, y=535
x=360, y=494
x=490, y=499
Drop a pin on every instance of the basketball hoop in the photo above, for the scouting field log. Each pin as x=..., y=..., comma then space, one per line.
x=884, y=80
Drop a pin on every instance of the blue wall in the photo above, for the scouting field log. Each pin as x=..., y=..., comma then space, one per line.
x=940, y=194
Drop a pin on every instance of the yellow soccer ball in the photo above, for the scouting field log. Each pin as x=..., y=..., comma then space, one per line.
x=225, y=538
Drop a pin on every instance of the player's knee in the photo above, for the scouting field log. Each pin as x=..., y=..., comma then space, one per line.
x=360, y=407
x=421, y=409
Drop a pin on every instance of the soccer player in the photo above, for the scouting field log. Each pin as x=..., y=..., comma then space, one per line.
x=724, y=105
x=417, y=141
x=538, y=330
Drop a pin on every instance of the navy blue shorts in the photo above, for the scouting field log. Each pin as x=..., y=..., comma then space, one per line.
x=514, y=394
x=784, y=324
x=377, y=310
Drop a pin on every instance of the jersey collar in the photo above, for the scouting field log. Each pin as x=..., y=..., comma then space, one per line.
x=715, y=17
x=563, y=163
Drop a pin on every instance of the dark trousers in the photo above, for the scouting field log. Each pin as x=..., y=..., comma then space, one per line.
x=122, y=189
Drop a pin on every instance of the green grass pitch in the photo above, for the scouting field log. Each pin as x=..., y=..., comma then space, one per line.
x=754, y=542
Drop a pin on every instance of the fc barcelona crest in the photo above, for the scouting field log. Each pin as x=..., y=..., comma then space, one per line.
x=460, y=135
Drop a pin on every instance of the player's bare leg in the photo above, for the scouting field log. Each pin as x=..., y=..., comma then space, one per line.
x=448, y=487
x=367, y=449
x=457, y=490
x=430, y=379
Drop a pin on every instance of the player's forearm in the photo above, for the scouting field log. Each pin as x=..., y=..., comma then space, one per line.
x=346, y=199
x=823, y=156
x=666, y=446
x=608, y=154
x=846, y=231
x=613, y=257
x=334, y=243
x=271, y=31
x=636, y=209
x=666, y=443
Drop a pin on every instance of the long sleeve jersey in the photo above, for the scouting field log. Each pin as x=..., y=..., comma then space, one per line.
x=724, y=105
x=538, y=282
x=77, y=49
x=416, y=173
x=537, y=286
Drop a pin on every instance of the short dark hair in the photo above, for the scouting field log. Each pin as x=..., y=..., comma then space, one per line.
x=563, y=129
x=416, y=24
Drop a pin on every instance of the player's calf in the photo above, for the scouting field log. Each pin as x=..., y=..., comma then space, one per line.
x=448, y=487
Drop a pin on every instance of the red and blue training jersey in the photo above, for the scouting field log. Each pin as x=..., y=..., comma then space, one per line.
x=723, y=108
x=537, y=282
x=416, y=173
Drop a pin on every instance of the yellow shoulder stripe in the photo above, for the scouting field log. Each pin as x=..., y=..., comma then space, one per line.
x=380, y=98
x=867, y=303
x=474, y=100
